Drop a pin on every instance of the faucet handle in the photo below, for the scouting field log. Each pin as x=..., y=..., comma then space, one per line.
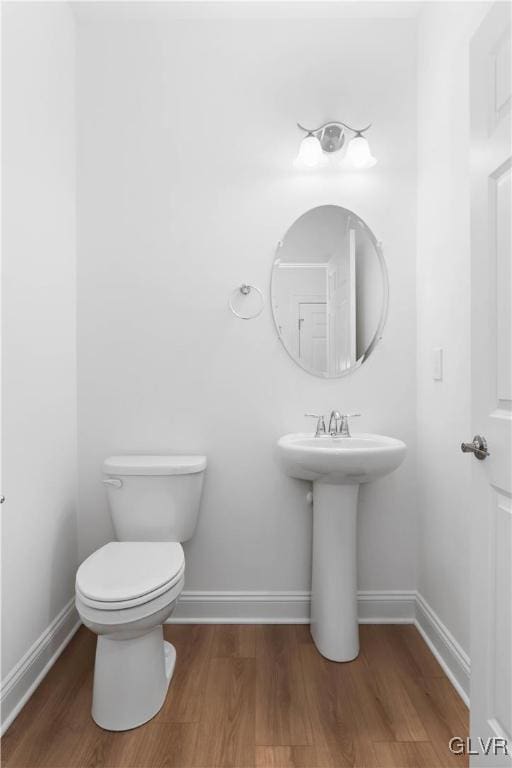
x=345, y=429
x=320, y=425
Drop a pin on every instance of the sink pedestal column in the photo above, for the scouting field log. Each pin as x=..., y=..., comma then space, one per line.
x=334, y=625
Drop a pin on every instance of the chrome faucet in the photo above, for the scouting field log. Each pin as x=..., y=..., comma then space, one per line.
x=334, y=422
x=338, y=424
x=341, y=426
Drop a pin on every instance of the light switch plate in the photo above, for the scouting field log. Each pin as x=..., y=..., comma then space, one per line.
x=437, y=364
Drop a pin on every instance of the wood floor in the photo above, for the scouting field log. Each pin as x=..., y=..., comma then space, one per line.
x=250, y=696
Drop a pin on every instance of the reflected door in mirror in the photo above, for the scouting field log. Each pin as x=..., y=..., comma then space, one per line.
x=312, y=330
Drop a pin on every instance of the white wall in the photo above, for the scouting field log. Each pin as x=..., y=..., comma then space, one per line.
x=185, y=184
x=443, y=275
x=39, y=544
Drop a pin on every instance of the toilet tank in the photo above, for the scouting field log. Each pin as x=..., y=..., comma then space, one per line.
x=154, y=498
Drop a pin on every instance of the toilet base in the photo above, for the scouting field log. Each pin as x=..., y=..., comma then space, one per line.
x=131, y=678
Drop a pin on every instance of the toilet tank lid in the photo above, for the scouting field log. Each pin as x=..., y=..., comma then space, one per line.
x=154, y=465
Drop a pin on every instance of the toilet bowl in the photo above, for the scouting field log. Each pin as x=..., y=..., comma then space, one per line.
x=127, y=589
x=124, y=593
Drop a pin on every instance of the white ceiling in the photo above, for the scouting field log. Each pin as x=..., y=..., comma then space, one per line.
x=161, y=10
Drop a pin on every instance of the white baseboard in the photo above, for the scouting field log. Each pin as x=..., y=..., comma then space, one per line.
x=243, y=607
x=21, y=682
x=285, y=608
x=392, y=607
x=453, y=659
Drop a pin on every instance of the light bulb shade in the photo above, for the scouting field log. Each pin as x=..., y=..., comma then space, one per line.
x=359, y=154
x=310, y=153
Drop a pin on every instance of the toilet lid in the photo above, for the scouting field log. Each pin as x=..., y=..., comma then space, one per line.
x=125, y=570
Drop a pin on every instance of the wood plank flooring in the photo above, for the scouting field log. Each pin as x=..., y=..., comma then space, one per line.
x=246, y=696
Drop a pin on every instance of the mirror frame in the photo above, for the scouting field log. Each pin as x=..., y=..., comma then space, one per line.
x=385, y=298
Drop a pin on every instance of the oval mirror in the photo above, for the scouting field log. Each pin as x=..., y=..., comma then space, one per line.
x=329, y=291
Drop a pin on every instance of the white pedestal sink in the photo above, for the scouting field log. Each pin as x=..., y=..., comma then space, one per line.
x=336, y=466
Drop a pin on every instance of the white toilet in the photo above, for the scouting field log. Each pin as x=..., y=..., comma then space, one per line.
x=128, y=588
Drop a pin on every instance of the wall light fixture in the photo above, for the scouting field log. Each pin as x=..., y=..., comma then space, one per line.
x=331, y=137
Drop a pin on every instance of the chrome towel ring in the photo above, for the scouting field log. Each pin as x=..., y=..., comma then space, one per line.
x=246, y=290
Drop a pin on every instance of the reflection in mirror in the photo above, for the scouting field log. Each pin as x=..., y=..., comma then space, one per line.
x=329, y=291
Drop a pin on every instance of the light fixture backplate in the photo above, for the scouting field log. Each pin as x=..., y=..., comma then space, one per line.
x=331, y=136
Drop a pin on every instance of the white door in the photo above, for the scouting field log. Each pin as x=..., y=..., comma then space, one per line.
x=312, y=327
x=491, y=384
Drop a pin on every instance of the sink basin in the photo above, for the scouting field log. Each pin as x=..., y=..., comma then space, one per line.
x=337, y=466
x=340, y=460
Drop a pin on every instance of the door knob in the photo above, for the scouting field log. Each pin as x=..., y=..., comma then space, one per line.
x=478, y=447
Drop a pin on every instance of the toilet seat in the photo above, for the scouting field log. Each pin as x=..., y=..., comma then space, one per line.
x=124, y=619
x=126, y=574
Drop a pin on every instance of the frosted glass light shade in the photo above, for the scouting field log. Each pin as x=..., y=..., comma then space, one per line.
x=359, y=154
x=310, y=153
